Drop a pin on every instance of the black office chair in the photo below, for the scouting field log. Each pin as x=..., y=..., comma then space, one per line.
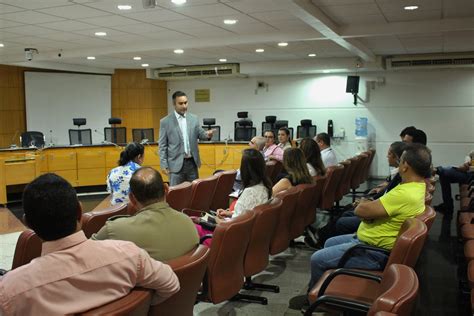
x=269, y=124
x=306, y=129
x=139, y=134
x=80, y=136
x=244, y=131
x=283, y=123
x=208, y=124
x=116, y=135
x=32, y=138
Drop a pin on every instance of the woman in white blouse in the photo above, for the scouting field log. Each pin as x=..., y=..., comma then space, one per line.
x=257, y=187
x=313, y=157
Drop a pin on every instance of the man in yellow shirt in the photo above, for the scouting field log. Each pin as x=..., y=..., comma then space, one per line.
x=381, y=219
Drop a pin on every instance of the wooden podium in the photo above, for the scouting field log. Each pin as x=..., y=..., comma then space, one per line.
x=17, y=171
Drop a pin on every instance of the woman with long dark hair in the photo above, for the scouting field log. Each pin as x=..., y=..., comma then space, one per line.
x=313, y=157
x=294, y=163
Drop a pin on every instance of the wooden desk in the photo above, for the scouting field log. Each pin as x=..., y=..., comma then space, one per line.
x=17, y=170
x=9, y=223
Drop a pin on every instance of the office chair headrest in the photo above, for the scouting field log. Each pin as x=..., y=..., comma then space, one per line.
x=79, y=121
x=242, y=114
x=115, y=120
x=270, y=119
x=208, y=121
x=306, y=123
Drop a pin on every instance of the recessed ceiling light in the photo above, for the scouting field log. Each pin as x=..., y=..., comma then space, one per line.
x=312, y=55
x=326, y=71
x=124, y=7
x=259, y=50
x=90, y=57
x=222, y=60
x=178, y=51
x=100, y=34
x=137, y=58
x=410, y=7
x=2, y=45
x=178, y=1
x=145, y=65
x=283, y=44
x=230, y=21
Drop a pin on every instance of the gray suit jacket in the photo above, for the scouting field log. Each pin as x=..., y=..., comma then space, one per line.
x=171, y=144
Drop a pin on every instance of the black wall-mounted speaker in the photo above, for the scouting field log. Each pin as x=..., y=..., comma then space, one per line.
x=352, y=85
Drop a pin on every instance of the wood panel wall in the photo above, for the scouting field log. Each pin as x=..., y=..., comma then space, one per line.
x=138, y=101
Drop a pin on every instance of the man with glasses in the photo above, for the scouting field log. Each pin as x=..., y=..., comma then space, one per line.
x=271, y=151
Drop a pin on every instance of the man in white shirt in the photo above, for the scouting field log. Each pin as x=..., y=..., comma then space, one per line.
x=327, y=154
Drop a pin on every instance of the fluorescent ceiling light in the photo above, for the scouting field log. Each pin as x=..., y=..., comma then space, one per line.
x=2, y=45
x=124, y=7
x=259, y=50
x=410, y=7
x=283, y=44
x=230, y=21
x=137, y=58
x=145, y=65
x=90, y=57
x=222, y=60
x=178, y=1
x=100, y=34
x=312, y=55
x=326, y=71
x=178, y=51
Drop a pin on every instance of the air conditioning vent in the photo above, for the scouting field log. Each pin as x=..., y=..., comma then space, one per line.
x=195, y=71
x=430, y=61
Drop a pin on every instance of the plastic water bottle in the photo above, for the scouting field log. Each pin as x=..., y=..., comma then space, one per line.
x=361, y=127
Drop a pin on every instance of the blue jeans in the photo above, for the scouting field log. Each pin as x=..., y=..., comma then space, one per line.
x=448, y=175
x=334, y=248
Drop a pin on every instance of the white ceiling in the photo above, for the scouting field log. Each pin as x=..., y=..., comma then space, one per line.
x=342, y=29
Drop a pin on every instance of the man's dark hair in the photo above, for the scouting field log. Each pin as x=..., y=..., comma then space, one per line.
x=130, y=153
x=397, y=148
x=324, y=137
x=146, y=184
x=418, y=157
x=51, y=207
x=418, y=136
x=178, y=94
x=252, y=170
x=406, y=130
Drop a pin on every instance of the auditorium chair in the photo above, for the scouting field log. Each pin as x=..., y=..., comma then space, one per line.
x=357, y=177
x=28, y=247
x=225, y=182
x=344, y=183
x=136, y=303
x=349, y=291
x=209, y=124
x=257, y=254
x=428, y=216
x=281, y=238
x=179, y=196
x=306, y=129
x=93, y=221
x=276, y=171
x=225, y=270
x=269, y=167
x=190, y=269
x=310, y=216
x=304, y=202
x=269, y=124
x=371, y=153
x=139, y=134
x=32, y=138
x=202, y=193
x=328, y=197
x=283, y=123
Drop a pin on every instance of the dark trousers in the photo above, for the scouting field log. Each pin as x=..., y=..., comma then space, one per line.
x=188, y=172
x=348, y=223
x=448, y=175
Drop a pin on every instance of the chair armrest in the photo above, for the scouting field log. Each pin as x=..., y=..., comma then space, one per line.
x=204, y=238
x=338, y=302
x=360, y=247
x=3, y=272
x=342, y=271
x=191, y=212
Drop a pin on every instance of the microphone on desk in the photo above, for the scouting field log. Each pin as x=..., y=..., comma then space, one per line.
x=106, y=141
x=144, y=141
x=12, y=142
x=50, y=138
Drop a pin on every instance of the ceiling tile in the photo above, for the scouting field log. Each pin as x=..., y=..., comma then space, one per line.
x=361, y=19
x=31, y=17
x=413, y=16
x=219, y=20
x=109, y=20
x=35, y=4
x=384, y=45
x=458, y=41
x=29, y=30
x=204, y=11
x=165, y=35
x=68, y=25
x=169, y=5
x=341, y=2
x=423, y=44
x=343, y=10
x=74, y=11
x=6, y=23
x=5, y=8
x=156, y=16
x=140, y=28
x=275, y=15
x=252, y=6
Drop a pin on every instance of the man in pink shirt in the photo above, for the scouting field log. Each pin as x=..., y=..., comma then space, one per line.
x=271, y=150
x=75, y=274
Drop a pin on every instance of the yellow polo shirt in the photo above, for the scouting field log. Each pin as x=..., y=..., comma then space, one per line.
x=406, y=200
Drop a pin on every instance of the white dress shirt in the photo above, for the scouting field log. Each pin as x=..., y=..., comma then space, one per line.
x=184, y=131
x=329, y=157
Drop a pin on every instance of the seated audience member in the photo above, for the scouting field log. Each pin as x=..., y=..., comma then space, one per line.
x=75, y=274
x=381, y=219
x=294, y=163
x=118, y=179
x=155, y=224
x=327, y=154
x=313, y=157
x=257, y=143
x=271, y=151
x=448, y=175
x=406, y=130
x=416, y=136
x=284, y=140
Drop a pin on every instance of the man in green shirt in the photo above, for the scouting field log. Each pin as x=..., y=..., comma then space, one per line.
x=381, y=219
x=157, y=228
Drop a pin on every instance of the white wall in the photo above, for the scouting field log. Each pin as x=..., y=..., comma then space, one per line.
x=441, y=102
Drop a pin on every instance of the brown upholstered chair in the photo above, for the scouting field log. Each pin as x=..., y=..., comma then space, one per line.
x=93, y=221
x=329, y=192
x=371, y=153
x=281, y=237
x=276, y=171
x=179, y=196
x=225, y=270
x=304, y=205
x=356, y=179
x=320, y=184
x=269, y=168
x=190, y=270
x=202, y=193
x=428, y=216
x=257, y=254
x=394, y=291
x=136, y=303
x=225, y=182
x=344, y=182
x=27, y=248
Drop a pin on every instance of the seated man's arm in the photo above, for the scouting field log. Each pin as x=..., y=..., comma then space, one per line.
x=368, y=210
x=102, y=234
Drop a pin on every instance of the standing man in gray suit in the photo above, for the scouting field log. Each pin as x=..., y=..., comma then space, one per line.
x=178, y=146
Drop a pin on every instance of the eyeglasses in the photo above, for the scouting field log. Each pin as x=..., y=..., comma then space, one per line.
x=268, y=136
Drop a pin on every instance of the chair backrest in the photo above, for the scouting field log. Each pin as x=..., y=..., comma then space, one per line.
x=409, y=243
x=32, y=138
x=311, y=212
x=281, y=238
x=80, y=136
x=371, y=153
x=216, y=136
x=329, y=192
x=428, y=216
x=398, y=291
x=116, y=135
x=306, y=131
x=93, y=221
x=139, y=134
x=276, y=171
x=225, y=182
x=179, y=196
x=355, y=163
x=136, y=303
x=344, y=181
x=359, y=171
x=269, y=168
x=303, y=203
x=266, y=219
x=190, y=270
x=225, y=270
x=28, y=247
x=244, y=133
x=202, y=193
x=428, y=198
